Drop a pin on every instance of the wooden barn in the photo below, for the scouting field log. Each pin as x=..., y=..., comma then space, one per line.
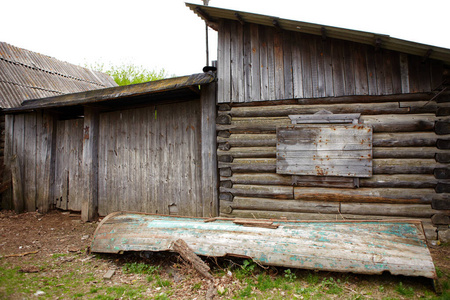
x=301, y=121
x=26, y=75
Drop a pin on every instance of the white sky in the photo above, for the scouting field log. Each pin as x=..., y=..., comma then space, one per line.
x=166, y=34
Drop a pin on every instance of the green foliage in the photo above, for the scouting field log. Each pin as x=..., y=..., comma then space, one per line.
x=312, y=278
x=333, y=287
x=129, y=73
x=247, y=269
x=139, y=268
x=289, y=275
x=404, y=291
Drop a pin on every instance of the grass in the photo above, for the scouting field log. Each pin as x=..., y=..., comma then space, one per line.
x=247, y=280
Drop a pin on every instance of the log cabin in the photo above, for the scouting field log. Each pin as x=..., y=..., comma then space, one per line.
x=301, y=121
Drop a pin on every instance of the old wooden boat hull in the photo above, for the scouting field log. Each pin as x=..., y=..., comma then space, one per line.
x=366, y=247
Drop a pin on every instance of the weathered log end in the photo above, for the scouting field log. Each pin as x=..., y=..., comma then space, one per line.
x=441, y=204
x=440, y=219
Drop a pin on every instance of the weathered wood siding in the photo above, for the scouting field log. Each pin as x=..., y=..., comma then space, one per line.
x=410, y=163
x=159, y=158
x=68, y=186
x=257, y=63
x=29, y=147
x=149, y=160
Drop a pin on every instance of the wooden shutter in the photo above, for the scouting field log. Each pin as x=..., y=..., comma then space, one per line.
x=325, y=150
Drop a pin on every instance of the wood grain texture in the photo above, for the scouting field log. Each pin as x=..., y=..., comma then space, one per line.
x=141, y=146
x=327, y=246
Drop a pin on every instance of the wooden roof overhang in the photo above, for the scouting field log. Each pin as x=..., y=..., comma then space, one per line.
x=212, y=15
x=142, y=94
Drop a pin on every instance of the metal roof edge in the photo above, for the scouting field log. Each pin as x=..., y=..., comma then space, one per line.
x=101, y=95
x=213, y=14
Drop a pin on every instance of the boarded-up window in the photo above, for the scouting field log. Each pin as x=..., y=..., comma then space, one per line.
x=325, y=150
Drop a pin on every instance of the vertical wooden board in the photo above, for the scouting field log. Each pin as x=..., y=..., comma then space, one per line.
x=320, y=57
x=337, y=51
x=44, y=133
x=287, y=55
x=361, y=82
x=75, y=183
x=156, y=162
x=58, y=184
x=102, y=162
x=380, y=71
x=30, y=162
x=279, y=64
x=437, y=70
x=209, y=180
x=9, y=140
x=247, y=64
x=152, y=168
x=388, y=71
x=227, y=62
x=18, y=150
x=297, y=70
x=314, y=67
x=269, y=33
x=425, y=76
x=178, y=184
x=306, y=66
x=264, y=61
x=237, y=62
x=221, y=62
x=164, y=160
x=89, y=165
x=349, y=71
x=414, y=73
x=396, y=76
x=328, y=67
x=198, y=158
x=404, y=73
x=371, y=70
x=256, y=67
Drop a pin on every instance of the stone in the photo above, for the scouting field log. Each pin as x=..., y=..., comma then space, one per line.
x=108, y=275
x=444, y=235
x=440, y=219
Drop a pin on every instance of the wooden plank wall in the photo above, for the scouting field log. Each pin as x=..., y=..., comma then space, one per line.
x=150, y=160
x=257, y=63
x=68, y=186
x=28, y=149
x=410, y=162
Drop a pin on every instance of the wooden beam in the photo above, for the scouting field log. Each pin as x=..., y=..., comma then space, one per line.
x=208, y=151
x=89, y=202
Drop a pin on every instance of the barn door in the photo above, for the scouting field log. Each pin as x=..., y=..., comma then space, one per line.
x=69, y=152
x=150, y=160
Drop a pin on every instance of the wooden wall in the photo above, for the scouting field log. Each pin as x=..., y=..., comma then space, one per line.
x=30, y=142
x=149, y=160
x=160, y=159
x=411, y=140
x=257, y=63
x=68, y=183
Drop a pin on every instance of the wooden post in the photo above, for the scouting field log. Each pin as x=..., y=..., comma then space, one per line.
x=209, y=154
x=89, y=202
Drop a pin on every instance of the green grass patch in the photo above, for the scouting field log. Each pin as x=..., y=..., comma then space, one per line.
x=404, y=291
x=139, y=268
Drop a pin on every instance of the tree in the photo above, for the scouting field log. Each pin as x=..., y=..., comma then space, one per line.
x=129, y=73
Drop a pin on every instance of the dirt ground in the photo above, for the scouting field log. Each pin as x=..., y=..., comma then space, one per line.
x=51, y=254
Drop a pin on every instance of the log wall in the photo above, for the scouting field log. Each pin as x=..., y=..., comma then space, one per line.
x=411, y=174
x=258, y=63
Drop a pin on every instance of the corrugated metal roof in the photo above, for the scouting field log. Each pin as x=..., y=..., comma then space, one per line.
x=180, y=87
x=212, y=15
x=28, y=75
